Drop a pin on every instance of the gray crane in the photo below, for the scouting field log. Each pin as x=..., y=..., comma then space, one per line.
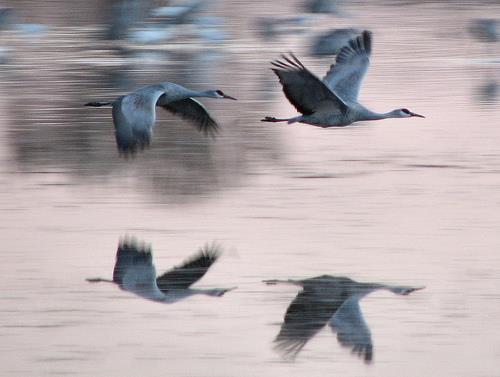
x=334, y=301
x=333, y=101
x=134, y=114
x=135, y=272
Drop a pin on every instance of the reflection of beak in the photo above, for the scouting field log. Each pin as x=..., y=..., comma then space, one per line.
x=418, y=288
x=412, y=289
x=416, y=115
x=229, y=97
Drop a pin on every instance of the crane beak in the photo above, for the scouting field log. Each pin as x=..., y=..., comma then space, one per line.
x=229, y=97
x=416, y=115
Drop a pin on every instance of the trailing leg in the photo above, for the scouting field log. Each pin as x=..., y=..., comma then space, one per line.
x=97, y=104
x=288, y=120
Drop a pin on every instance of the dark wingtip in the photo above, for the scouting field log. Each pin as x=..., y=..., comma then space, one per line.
x=368, y=355
x=276, y=71
x=362, y=42
x=209, y=128
x=290, y=62
x=213, y=251
x=367, y=40
x=133, y=245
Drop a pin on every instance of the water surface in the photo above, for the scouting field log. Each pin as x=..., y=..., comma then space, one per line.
x=407, y=201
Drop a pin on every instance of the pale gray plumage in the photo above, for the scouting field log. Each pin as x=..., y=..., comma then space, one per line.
x=346, y=75
x=134, y=114
x=333, y=101
x=334, y=301
x=135, y=272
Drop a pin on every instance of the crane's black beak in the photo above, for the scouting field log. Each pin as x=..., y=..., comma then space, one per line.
x=229, y=97
x=416, y=115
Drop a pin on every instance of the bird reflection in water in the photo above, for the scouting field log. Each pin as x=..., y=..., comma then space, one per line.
x=334, y=301
x=135, y=272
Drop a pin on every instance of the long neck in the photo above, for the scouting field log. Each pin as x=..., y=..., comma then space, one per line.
x=362, y=289
x=205, y=93
x=175, y=295
x=371, y=115
x=177, y=92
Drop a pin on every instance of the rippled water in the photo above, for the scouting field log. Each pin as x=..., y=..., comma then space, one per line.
x=409, y=201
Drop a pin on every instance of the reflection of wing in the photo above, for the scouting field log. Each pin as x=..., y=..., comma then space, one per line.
x=303, y=89
x=352, y=330
x=306, y=315
x=134, y=270
x=190, y=271
x=346, y=75
x=192, y=110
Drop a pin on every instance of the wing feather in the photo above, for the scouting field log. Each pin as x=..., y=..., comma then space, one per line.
x=346, y=74
x=190, y=271
x=352, y=330
x=192, y=110
x=308, y=313
x=306, y=92
x=134, y=269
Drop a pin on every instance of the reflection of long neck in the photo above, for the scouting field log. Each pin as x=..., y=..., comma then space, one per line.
x=174, y=295
x=362, y=289
x=371, y=115
x=365, y=288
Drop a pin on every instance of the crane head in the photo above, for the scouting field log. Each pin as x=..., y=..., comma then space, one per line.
x=220, y=94
x=405, y=113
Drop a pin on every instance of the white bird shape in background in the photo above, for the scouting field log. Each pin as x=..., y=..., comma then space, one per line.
x=485, y=29
x=333, y=101
x=135, y=272
x=334, y=301
x=331, y=42
x=134, y=114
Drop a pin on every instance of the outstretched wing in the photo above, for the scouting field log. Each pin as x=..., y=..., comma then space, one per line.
x=308, y=313
x=346, y=75
x=134, y=269
x=129, y=138
x=304, y=90
x=192, y=270
x=192, y=110
x=352, y=330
